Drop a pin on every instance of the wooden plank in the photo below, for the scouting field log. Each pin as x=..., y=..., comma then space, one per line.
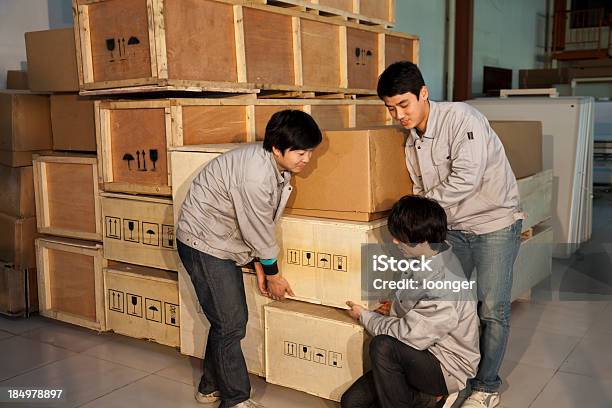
x=67, y=194
x=241, y=66
x=70, y=281
x=86, y=72
x=296, y=33
x=159, y=31
x=343, y=53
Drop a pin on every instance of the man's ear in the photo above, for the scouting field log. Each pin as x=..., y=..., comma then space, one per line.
x=276, y=152
x=424, y=94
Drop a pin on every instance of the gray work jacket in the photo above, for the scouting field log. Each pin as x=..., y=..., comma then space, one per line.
x=461, y=163
x=233, y=205
x=438, y=320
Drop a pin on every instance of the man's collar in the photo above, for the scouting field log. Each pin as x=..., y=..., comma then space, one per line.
x=431, y=120
x=280, y=176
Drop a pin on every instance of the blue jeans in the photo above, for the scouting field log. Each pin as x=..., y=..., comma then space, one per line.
x=493, y=256
x=220, y=289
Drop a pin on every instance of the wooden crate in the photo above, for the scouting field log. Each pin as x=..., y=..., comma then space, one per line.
x=17, y=187
x=142, y=303
x=70, y=281
x=17, y=240
x=238, y=48
x=18, y=291
x=128, y=128
x=25, y=121
x=195, y=326
x=534, y=261
x=322, y=258
x=67, y=202
x=314, y=349
x=139, y=230
x=536, y=198
x=73, y=123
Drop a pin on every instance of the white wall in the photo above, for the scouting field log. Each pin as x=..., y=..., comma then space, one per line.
x=427, y=20
x=506, y=35
x=19, y=16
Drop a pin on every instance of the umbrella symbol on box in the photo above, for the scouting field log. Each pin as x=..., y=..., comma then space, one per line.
x=150, y=234
x=153, y=309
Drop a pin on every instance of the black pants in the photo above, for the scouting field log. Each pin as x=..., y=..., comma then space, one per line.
x=400, y=374
x=220, y=289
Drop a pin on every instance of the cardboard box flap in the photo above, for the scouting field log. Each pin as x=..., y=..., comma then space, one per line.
x=312, y=310
x=143, y=272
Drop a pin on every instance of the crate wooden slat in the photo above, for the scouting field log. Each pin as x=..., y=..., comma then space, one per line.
x=371, y=12
x=239, y=47
x=70, y=281
x=125, y=129
x=139, y=230
x=67, y=202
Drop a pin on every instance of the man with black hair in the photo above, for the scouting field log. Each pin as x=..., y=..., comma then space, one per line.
x=227, y=220
x=454, y=156
x=426, y=343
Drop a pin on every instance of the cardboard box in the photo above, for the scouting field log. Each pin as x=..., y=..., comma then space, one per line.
x=142, y=303
x=19, y=159
x=52, y=64
x=70, y=281
x=542, y=78
x=353, y=175
x=25, y=121
x=16, y=80
x=17, y=191
x=139, y=230
x=322, y=258
x=522, y=142
x=73, y=123
x=18, y=291
x=17, y=240
x=314, y=349
x=67, y=201
x=195, y=326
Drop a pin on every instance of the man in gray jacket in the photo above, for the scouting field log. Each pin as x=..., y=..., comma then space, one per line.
x=426, y=344
x=227, y=220
x=454, y=157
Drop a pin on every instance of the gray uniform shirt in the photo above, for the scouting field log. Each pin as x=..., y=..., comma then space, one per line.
x=438, y=320
x=461, y=163
x=232, y=206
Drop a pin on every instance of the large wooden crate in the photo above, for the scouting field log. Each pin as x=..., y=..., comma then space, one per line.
x=17, y=187
x=142, y=303
x=139, y=230
x=17, y=237
x=67, y=202
x=195, y=326
x=322, y=259
x=25, y=121
x=232, y=47
x=18, y=290
x=129, y=131
x=70, y=281
x=73, y=123
x=314, y=349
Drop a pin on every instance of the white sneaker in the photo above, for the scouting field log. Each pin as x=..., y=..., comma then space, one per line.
x=248, y=404
x=450, y=400
x=480, y=399
x=207, y=398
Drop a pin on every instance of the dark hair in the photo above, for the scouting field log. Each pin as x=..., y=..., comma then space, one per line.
x=293, y=130
x=399, y=78
x=416, y=219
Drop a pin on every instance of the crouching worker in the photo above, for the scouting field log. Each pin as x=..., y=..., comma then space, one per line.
x=227, y=220
x=425, y=345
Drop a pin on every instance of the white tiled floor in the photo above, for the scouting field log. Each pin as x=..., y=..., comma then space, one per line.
x=559, y=352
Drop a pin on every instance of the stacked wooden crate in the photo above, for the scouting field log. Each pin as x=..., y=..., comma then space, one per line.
x=69, y=251
x=25, y=129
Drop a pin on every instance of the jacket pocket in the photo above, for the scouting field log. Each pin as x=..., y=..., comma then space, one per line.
x=441, y=159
